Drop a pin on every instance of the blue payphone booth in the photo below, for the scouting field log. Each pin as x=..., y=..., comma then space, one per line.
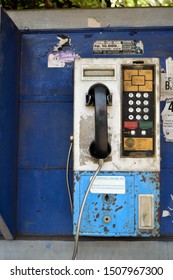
x=110, y=86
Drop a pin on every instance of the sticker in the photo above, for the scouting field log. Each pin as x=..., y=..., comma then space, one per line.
x=118, y=47
x=61, y=58
x=139, y=144
x=167, y=120
x=109, y=185
x=168, y=212
x=165, y=213
x=167, y=80
x=62, y=54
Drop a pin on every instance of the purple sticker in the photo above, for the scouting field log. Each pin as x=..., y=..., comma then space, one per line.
x=60, y=58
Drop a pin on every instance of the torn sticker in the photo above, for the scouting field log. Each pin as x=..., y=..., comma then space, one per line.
x=167, y=80
x=62, y=54
x=61, y=58
x=64, y=41
x=167, y=120
x=165, y=213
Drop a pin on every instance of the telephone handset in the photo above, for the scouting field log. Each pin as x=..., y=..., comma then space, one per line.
x=99, y=96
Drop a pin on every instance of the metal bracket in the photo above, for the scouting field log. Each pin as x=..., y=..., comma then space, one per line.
x=5, y=230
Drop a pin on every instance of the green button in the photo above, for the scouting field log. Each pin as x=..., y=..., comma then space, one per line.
x=145, y=125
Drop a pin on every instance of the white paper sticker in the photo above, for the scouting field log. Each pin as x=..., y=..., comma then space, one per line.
x=109, y=185
x=118, y=47
x=167, y=80
x=167, y=120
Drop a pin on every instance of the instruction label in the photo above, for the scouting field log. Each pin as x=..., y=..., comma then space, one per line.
x=167, y=117
x=109, y=185
x=118, y=47
x=167, y=80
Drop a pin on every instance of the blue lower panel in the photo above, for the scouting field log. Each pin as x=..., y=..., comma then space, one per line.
x=120, y=209
x=43, y=203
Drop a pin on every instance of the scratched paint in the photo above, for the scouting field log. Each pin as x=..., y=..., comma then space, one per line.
x=115, y=214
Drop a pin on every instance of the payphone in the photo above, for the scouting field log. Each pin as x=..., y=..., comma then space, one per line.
x=116, y=127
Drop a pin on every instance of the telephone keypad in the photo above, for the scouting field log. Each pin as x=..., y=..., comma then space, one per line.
x=142, y=106
x=138, y=104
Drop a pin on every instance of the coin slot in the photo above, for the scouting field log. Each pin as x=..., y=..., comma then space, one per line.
x=138, y=62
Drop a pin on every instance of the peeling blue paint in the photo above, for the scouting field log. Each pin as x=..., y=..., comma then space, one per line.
x=121, y=210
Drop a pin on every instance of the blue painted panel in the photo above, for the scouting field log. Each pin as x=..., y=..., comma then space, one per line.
x=121, y=208
x=10, y=40
x=37, y=79
x=166, y=202
x=43, y=204
x=45, y=129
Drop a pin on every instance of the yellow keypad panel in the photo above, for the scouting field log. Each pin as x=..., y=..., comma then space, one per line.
x=138, y=80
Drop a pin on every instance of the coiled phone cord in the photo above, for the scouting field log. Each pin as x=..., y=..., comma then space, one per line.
x=67, y=174
x=75, y=250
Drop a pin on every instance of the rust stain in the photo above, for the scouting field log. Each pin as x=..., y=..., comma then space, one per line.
x=106, y=229
x=106, y=209
x=154, y=179
x=143, y=179
x=97, y=216
x=77, y=177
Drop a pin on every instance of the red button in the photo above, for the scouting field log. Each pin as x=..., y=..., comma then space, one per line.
x=131, y=125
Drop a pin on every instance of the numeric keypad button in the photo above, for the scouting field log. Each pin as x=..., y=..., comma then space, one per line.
x=130, y=102
x=146, y=110
x=146, y=102
x=145, y=117
x=138, y=109
x=145, y=95
x=130, y=117
x=131, y=109
x=138, y=94
x=131, y=94
x=138, y=102
x=138, y=117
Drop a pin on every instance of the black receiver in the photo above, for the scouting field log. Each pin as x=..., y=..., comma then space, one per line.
x=99, y=96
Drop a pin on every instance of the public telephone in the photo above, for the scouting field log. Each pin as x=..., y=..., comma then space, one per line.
x=116, y=120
